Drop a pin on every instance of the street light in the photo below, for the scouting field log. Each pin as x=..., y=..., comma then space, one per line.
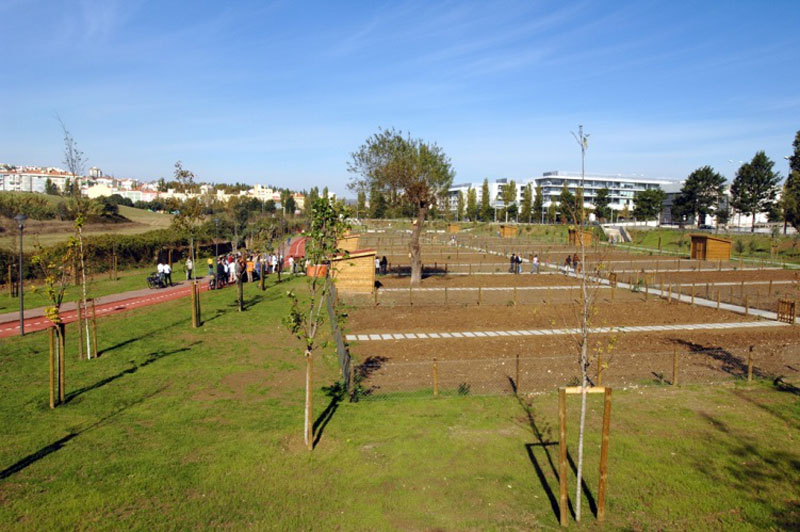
x=20, y=219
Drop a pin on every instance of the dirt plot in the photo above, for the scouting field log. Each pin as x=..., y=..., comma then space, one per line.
x=726, y=276
x=488, y=365
x=440, y=281
x=489, y=318
x=487, y=296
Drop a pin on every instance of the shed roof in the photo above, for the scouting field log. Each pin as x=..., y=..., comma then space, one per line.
x=712, y=237
x=354, y=255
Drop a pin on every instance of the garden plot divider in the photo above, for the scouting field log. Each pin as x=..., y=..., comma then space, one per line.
x=380, y=378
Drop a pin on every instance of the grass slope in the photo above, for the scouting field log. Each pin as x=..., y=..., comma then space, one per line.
x=174, y=428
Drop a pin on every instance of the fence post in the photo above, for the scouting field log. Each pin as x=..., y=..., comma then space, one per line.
x=375, y=296
x=515, y=296
x=62, y=351
x=708, y=290
x=718, y=291
x=674, y=366
x=562, y=456
x=750, y=364
x=479, y=296
x=435, y=378
x=81, y=325
x=599, y=369
x=746, y=306
x=194, y=307
x=769, y=291
x=410, y=296
x=692, y=293
x=669, y=293
x=601, y=490
x=445, y=296
x=516, y=378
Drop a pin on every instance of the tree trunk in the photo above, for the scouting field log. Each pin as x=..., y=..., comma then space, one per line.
x=753, y=224
x=83, y=290
x=414, y=248
x=308, y=432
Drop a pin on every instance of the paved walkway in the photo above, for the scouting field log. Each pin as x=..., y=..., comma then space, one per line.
x=105, y=305
x=556, y=332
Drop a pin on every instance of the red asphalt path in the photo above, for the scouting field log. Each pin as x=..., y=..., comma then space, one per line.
x=40, y=323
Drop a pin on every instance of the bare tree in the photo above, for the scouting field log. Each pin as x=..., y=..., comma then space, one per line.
x=75, y=161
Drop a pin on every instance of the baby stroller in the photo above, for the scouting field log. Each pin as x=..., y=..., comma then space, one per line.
x=154, y=280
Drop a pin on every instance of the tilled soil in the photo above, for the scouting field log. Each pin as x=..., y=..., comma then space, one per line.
x=488, y=318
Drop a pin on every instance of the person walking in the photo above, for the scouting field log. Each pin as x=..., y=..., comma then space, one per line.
x=513, y=264
x=535, y=264
x=291, y=264
x=384, y=265
x=160, y=274
x=210, y=263
x=251, y=266
x=189, y=266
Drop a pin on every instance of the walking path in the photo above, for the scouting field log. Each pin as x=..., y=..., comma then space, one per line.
x=104, y=306
x=554, y=332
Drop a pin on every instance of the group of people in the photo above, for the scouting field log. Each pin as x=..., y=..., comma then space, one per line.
x=516, y=263
x=381, y=265
x=572, y=264
x=164, y=274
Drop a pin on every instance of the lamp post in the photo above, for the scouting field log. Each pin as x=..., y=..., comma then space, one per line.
x=20, y=219
x=216, y=251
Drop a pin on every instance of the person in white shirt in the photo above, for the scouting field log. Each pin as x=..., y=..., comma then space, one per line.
x=160, y=273
x=535, y=264
x=168, y=274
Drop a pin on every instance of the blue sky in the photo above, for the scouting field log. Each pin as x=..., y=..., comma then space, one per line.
x=283, y=92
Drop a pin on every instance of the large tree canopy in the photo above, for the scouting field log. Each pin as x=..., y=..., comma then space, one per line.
x=755, y=186
x=407, y=170
x=647, y=203
x=790, y=199
x=700, y=193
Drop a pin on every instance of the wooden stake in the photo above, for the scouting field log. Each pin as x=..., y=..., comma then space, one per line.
x=445, y=296
x=516, y=381
x=435, y=378
x=692, y=293
x=94, y=330
x=719, y=265
x=479, y=296
x=769, y=291
x=746, y=306
x=601, y=489
x=562, y=456
x=669, y=293
x=81, y=324
x=599, y=369
x=515, y=296
x=194, y=307
x=375, y=295
x=718, y=299
x=674, y=366
x=52, y=331
x=750, y=364
x=62, y=364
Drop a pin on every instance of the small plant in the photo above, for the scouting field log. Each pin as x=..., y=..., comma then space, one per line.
x=659, y=377
x=738, y=246
x=463, y=389
x=776, y=231
x=574, y=381
x=751, y=246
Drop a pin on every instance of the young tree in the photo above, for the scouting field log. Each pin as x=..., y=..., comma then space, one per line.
x=377, y=203
x=291, y=205
x=311, y=197
x=417, y=171
x=460, y=206
x=790, y=198
x=701, y=192
x=552, y=213
x=602, y=200
x=566, y=205
x=647, y=203
x=472, y=204
x=526, y=205
x=509, y=195
x=327, y=227
x=191, y=216
x=361, y=203
x=486, y=202
x=538, y=203
x=755, y=187
x=79, y=208
x=50, y=187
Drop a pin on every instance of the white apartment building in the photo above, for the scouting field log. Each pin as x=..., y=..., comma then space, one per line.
x=621, y=188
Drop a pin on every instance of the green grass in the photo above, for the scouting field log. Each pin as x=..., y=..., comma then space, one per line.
x=101, y=285
x=155, y=220
x=750, y=246
x=175, y=428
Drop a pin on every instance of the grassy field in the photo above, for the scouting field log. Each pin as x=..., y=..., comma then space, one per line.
x=52, y=232
x=753, y=246
x=175, y=428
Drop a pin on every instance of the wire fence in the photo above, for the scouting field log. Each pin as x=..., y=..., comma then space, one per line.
x=379, y=378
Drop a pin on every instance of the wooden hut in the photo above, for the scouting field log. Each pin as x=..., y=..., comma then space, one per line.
x=710, y=247
x=348, y=243
x=574, y=238
x=354, y=273
x=453, y=228
x=508, y=231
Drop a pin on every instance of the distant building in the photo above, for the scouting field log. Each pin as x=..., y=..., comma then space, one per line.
x=621, y=188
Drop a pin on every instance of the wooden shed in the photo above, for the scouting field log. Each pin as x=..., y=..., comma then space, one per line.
x=508, y=231
x=710, y=247
x=348, y=243
x=453, y=228
x=574, y=238
x=354, y=273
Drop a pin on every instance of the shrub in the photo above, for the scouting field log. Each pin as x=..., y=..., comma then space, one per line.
x=738, y=246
